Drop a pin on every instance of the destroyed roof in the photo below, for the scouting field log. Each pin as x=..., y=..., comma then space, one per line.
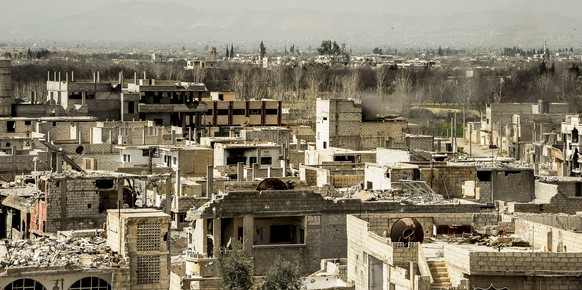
x=556, y=179
x=47, y=251
x=25, y=204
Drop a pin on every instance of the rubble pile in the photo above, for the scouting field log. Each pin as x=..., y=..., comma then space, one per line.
x=47, y=251
x=491, y=241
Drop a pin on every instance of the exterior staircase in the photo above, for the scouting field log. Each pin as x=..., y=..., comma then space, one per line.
x=440, y=275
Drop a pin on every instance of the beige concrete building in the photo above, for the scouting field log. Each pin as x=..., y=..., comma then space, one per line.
x=464, y=251
x=293, y=223
x=85, y=98
x=342, y=123
x=142, y=235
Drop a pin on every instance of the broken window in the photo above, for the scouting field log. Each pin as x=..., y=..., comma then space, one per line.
x=348, y=158
x=233, y=159
x=574, y=135
x=75, y=96
x=104, y=183
x=11, y=126
x=91, y=283
x=267, y=160
x=238, y=111
x=484, y=175
x=282, y=234
x=130, y=107
x=25, y=284
x=415, y=174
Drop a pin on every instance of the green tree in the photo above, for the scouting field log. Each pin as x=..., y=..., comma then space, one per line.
x=440, y=51
x=236, y=268
x=283, y=275
x=262, y=49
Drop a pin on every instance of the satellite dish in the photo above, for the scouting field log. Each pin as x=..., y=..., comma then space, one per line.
x=272, y=183
x=407, y=230
x=245, y=122
x=79, y=150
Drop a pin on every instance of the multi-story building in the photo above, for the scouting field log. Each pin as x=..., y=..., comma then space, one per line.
x=85, y=98
x=509, y=126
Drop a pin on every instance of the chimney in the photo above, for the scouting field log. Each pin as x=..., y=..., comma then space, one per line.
x=94, y=78
x=72, y=76
x=59, y=77
x=135, y=78
x=144, y=75
x=121, y=80
x=55, y=76
x=48, y=76
x=98, y=80
x=67, y=77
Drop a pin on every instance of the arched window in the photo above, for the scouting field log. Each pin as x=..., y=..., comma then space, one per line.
x=25, y=284
x=91, y=283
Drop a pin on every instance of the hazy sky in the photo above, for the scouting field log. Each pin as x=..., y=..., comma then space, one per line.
x=35, y=10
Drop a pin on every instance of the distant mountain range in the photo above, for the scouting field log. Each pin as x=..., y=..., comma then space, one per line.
x=143, y=22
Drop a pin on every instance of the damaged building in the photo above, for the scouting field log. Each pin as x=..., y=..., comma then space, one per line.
x=343, y=123
x=131, y=253
x=461, y=251
x=78, y=201
x=291, y=223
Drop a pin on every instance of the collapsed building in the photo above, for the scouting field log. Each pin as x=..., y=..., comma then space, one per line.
x=132, y=253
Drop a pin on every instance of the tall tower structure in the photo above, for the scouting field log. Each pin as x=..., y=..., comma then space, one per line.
x=5, y=88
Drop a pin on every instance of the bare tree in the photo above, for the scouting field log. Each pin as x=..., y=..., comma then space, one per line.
x=297, y=80
x=351, y=84
x=381, y=74
x=403, y=84
x=466, y=94
x=314, y=79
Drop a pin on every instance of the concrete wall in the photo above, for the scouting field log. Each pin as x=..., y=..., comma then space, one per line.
x=376, y=175
x=448, y=180
x=564, y=201
x=385, y=156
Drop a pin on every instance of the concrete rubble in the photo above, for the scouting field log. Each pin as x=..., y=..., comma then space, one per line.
x=47, y=251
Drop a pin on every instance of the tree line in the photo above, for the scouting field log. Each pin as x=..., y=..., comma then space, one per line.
x=555, y=82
